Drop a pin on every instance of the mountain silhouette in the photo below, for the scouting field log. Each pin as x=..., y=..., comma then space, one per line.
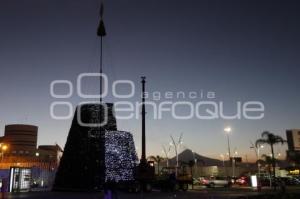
x=188, y=155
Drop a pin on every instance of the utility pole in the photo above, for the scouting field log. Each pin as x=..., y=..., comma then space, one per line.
x=143, y=158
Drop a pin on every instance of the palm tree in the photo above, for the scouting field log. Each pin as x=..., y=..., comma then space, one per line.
x=157, y=159
x=270, y=139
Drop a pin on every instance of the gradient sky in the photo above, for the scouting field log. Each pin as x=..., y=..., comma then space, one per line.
x=241, y=50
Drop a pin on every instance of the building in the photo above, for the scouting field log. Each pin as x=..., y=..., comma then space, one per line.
x=18, y=146
x=25, y=160
x=293, y=140
x=21, y=138
x=51, y=152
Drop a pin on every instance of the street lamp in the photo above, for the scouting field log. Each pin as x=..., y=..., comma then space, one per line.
x=227, y=131
x=257, y=153
x=195, y=161
x=176, y=147
x=278, y=155
x=233, y=162
x=223, y=159
x=166, y=152
x=194, y=157
x=4, y=147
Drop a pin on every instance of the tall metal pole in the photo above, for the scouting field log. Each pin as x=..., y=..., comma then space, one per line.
x=227, y=131
x=166, y=154
x=258, y=163
x=228, y=144
x=257, y=153
x=233, y=163
x=176, y=153
x=143, y=158
x=176, y=147
x=223, y=159
x=101, y=70
x=101, y=33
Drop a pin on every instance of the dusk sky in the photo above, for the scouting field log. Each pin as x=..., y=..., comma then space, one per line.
x=240, y=50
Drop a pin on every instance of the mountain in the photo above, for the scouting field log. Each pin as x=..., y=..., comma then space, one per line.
x=187, y=155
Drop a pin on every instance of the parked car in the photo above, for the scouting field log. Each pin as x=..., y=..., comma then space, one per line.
x=203, y=181
x=297, y=179
x=289, y=180
x=265, y=182
x=216, y=181
x=243, y=181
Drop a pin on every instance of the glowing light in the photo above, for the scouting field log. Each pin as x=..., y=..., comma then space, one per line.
x=120, y=156
x=254, y=181
x=4, y=147
x=228, y=129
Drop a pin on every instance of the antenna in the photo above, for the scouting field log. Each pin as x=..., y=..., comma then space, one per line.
x=101, y=33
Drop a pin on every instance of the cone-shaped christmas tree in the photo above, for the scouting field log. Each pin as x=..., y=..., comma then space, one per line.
x=95, y=154
x=82, y=166
x=120, y=156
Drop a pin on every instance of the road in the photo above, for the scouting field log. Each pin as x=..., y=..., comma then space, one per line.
x=217, y=193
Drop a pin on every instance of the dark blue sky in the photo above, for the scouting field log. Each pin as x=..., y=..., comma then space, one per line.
x=241, y=50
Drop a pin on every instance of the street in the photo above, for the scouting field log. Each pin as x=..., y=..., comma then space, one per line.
x=246, y=192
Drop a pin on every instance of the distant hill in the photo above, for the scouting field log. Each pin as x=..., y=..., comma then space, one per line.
x=187, y=155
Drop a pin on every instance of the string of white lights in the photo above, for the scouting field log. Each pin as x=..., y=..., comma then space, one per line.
x=120, y=156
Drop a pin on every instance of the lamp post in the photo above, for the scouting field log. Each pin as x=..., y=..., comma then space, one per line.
x=176, y=147
x=227, y=131
x=196, y=162
x=278, y=155
x=37, y=155
x=257, y=153
x=233, y=162
x=223, y=159
x=166, y=152
x=4, y=147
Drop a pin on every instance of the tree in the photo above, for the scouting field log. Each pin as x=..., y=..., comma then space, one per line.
x=157, y=159
x=84, y=153
x=270, y=139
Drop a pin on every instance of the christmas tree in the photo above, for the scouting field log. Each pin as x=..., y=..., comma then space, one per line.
x=120, y=156
x=82, y=165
